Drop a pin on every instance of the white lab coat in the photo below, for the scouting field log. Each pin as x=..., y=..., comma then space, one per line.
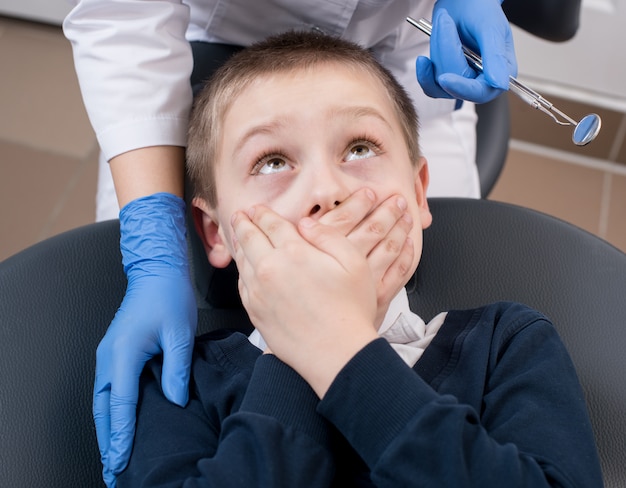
x=133, y=62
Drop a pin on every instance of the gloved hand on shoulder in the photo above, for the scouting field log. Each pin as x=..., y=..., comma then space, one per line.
x=158, y=315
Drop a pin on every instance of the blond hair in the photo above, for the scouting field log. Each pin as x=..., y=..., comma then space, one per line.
x=282, y=53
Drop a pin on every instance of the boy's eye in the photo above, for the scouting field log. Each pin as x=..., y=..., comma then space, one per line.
x=360, y=150
x=268, y=166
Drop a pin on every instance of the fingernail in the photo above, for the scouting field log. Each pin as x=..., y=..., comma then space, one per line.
x=407, y=217
x=370, y=194
x=251, y=212
x=401, y=202
x=180, y=394
x=307, y=222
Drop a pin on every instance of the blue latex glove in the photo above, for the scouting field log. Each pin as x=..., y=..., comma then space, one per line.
x=158, y=314
x=481, y=26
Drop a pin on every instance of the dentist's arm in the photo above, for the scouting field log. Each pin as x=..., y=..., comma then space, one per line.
x=133, y=65
x=158, y=313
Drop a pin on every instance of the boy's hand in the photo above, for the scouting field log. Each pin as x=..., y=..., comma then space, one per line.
x=313, y=298
x=380, y=234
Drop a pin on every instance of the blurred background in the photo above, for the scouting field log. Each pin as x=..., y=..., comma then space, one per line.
x=48, y=151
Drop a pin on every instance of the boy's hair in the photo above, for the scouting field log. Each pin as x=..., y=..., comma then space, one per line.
x=281, y=53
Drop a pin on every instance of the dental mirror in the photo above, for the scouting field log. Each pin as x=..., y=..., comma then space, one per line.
x=585, y=131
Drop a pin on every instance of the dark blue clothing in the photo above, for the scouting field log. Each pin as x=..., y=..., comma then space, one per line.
x=493, y=401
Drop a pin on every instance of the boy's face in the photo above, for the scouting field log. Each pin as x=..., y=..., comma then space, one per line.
x=301, y=142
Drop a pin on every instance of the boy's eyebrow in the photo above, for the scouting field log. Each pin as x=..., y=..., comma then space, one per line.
x=353, y=112
x=358, y=112
x=268, y=128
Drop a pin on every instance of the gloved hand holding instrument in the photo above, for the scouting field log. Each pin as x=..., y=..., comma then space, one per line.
x=465, y=75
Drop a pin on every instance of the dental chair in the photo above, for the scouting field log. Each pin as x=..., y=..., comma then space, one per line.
x=58, y=297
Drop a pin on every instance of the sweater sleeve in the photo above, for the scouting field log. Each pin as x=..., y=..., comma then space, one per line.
x=530, y=428
x=269, y=436
x=133, y=65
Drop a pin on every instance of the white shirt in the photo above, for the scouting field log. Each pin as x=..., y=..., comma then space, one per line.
x=405, y=331
x=133, y=57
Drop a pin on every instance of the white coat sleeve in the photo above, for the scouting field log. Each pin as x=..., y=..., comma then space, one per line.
x=133, y=65
x=398, y=51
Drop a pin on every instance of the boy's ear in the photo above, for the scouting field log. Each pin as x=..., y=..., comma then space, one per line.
x=422, y=178
x=208, y=229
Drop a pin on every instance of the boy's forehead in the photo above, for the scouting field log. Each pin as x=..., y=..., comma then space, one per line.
x=332, y=69
x=337, y=91
x=323, y=73
x=354, y=93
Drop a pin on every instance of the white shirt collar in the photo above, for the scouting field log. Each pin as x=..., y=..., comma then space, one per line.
x=407, y=333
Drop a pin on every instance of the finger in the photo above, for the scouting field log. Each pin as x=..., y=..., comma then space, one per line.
x=241, y=288
x=177, y=350
x=109, y=478
x=425, y=71
x=277, y=229
x=387, y=251
x=475, y=90
x=397, y=274
x=123, y=408
x=330, y=241
x=101, y=416
x=349, y=213
x=241, y=261
x=258, y=233
x=446, y=50
x=495, y=42
x=123, y=411
x=376, y=226
x=250, y=243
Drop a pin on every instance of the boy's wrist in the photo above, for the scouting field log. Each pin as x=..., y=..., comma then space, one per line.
x=322, y=362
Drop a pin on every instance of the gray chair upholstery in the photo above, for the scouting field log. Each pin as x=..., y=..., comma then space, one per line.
x=58, y=297
x=493, y=131
x=480, y=251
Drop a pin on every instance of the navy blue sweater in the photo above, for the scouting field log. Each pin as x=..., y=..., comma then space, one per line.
x=494, y=401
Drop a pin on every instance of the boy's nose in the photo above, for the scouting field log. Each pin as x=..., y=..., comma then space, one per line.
x=316, y=210
x=326, y=187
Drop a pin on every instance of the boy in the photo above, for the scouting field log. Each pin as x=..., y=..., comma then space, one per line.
x=291, y=144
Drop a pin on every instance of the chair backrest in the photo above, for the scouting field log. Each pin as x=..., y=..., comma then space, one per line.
x=56, y=301
x=493, y=131
x=58, y=297
x=480, y=251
